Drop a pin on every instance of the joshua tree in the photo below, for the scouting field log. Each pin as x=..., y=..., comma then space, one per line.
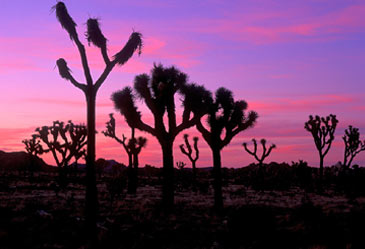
x=180, y=165
x=189, y=153
x=265, y=152
x=322, y=130
x=34, y=148
x=133, y=148
x=158, y=92
x=224, y=116
x=90, y=89
x=353, y=145
x=73, y=140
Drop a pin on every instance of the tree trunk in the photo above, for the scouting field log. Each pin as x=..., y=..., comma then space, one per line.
x=168, y=176
x=131, y=185
x=261, y=176
x=217, y=180
x=135, y=171
x=349, y=163
x=344, y=159
x=193, y=164
x=320, y=168
x=91, y=205
x=32, y=165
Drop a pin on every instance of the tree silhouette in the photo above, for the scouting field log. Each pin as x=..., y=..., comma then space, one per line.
x=180, y=165
x=265, y=152
x=63, y=141
x=133, y=148
x=353, y=145
x=226, y=118
x=189, y=153
x=33, y=148
x=96, y=37
x=158, y=92
x=322, y=130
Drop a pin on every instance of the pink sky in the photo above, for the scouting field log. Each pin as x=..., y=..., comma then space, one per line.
x=288, y=59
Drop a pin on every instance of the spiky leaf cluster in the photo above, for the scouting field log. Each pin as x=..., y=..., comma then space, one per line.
x=94, y=34
x=63, y=69
x=226, y=114
x=134, y=43
x=65, y=20
x=125, y=102
x=158, y=91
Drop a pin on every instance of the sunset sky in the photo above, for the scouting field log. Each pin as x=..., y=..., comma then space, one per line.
x=287, y=58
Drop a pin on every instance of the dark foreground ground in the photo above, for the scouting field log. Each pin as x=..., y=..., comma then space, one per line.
x=35, y=212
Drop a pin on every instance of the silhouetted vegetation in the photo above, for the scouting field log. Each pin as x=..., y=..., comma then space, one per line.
x=64, y=141
x=223, y=114
x=158, y=93
x=133, y=147
x=259, y=180
x=33, y=148
x=322, y=130
x=265, y=152
x=90, y=89
x=353, y=145
x=303, y=173
x=189, y=153
x=267, y=205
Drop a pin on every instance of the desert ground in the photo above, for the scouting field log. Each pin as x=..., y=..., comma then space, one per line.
x=39, y=212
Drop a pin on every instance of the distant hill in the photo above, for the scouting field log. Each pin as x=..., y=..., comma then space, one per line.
x=21, y=160
x=101, y=165
x=108, y=166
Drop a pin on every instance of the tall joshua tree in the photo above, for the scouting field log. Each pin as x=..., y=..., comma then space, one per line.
x=189, y=153
x=353, y=145
x=322, y=130
x=90, y=89
x=226, y=118
x=158, y=92
x=265, y=152
x=133, y=147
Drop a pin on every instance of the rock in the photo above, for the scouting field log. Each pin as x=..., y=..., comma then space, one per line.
x=44, y=214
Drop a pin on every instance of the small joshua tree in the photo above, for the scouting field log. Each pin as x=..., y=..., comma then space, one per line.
x=133, y=148
x=224, y=114
x=189, y=153
x=34, y=148
x=90, y=89
x=63, y=141
x=180, y=165
x=322, y=130
x=265, y=152
x=353, y=145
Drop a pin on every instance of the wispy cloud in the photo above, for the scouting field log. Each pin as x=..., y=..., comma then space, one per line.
x=307, y=103
x=284, y=26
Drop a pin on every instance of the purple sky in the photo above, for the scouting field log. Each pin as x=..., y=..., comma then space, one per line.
x=288, y=59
